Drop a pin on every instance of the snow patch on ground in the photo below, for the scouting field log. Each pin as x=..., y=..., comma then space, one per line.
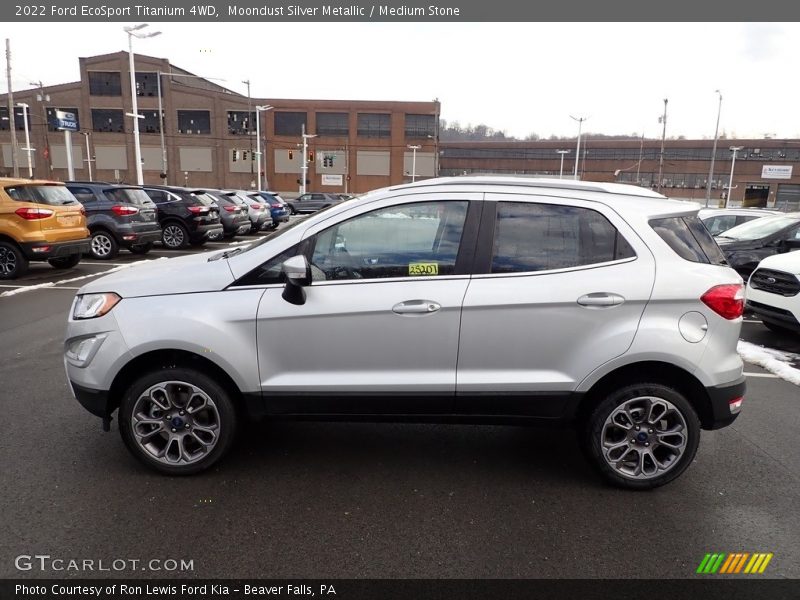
x=774, y=361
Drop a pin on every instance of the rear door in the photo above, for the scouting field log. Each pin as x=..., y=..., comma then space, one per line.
x=558, y=290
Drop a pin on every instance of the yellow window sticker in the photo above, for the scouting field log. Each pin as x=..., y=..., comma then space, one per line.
x=423, y=268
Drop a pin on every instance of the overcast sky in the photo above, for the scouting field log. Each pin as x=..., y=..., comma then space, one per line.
x=519, y=78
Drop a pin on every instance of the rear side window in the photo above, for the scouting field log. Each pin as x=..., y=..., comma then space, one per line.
x=130, y=195
x=54, y=195
x=689, y=238
x=540, y=237
x=83, y=194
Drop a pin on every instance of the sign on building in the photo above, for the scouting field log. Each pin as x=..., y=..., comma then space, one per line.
x=776, y=172
x=331, y=180
x=66, y=121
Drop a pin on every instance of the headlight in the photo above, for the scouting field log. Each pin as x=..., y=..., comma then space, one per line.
x=90, y=306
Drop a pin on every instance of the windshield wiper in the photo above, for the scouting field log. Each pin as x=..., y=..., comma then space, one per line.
x=226, y=254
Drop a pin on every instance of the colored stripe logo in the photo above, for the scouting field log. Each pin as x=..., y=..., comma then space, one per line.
x=734, y=563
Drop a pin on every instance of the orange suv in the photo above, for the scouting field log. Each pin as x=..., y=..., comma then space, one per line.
x=39, y=220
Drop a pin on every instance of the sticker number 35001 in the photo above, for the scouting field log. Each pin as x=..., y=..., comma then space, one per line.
x=423, y=268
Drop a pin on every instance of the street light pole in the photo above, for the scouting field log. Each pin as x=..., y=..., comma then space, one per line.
x=580, y=121
x=561, y=168
x=89, y=159
x=259, y=110
x=131, y=31
x=662, y=119
x=27, y=147
x=733, y=149
x=250, y=127
x=413, y=161
x=304, y=169
x=43, y=98
x=713, y=152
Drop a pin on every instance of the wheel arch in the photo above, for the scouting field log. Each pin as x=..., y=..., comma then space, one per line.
x=650, y=372
x=168, y=358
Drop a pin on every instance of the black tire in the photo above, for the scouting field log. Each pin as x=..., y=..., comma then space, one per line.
x=198, y=243
x=292, y=210
x=65, y=262
x=103, y=245
x=175, y=236
x=180, y=377
x=141, y=248
x=13, y=263
x=633, y=395
x=777, y=328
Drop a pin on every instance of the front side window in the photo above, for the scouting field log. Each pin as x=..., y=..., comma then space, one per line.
x=539, y=237
x=410, y=240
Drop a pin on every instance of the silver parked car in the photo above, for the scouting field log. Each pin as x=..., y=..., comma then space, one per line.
x=474, y=299
x=719, y=220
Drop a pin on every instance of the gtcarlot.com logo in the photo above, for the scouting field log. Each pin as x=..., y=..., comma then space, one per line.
x=734, y=563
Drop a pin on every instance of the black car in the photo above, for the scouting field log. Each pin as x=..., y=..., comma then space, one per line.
x=117, y=216
x=747, y=244
x=232, y=214
x=187, y=216
x=311, y=202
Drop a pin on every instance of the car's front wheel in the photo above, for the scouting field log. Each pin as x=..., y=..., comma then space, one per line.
x=642, y=436
x=178, y=421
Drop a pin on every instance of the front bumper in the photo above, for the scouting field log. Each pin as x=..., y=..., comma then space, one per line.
x=45, y=250
x=96, y=402
x=775, y=315
x=721, y=397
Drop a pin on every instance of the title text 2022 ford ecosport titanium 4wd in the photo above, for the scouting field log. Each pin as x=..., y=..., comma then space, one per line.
x=470, y=299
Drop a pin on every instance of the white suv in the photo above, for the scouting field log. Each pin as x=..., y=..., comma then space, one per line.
x=474, y=299
x=773, y=292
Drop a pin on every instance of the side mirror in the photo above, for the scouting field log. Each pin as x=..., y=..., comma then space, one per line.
x=297, y=272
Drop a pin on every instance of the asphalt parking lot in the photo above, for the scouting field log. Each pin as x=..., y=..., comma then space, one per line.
x=327, y=500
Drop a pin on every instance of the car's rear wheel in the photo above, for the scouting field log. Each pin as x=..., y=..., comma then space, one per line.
x=141, y=248
x=65, y=262
x=13, y=263
x=103, y=245
x=642, y=436
x=178, y=421
x=175, y=236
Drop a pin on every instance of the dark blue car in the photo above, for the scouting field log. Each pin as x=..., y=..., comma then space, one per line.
x=277, y=207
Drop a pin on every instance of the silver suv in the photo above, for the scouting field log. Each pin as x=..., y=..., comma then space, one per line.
x=474, y=299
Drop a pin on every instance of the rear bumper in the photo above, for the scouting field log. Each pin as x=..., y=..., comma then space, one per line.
x=45, y=250
x=206, y=232
x=136, y=238
x=721, y=397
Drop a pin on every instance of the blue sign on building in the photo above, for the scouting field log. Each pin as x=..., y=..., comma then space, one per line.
x=66, y=121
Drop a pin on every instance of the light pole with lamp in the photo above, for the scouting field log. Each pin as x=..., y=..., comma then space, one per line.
x=259, y=110
x=27, y=147
x=561, y=168
x=89, y=159
x=580, y=121
x=713, y=152
x=413, y=161
x=304, y=168
x=132, y=33
x=733, y=149
x=662, y=119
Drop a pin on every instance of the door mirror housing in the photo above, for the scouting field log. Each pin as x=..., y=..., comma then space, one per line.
x=297, y=273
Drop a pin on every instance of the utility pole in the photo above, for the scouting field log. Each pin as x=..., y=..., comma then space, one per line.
x=250, y=129
x=580, y=121
x=43, y=97
x=733, y=149
x=662, y=119
x=89, y=159
x=413, y=162
x=304, y=167
x=12, y=126
x=713, y=152
x=24, y=106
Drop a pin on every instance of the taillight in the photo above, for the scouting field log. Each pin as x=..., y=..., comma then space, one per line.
x=256, y=206
x=83, y=211
x=735, y=405
x=198, y=210
x=31, y=214
x=124, y=210
x=725, y=300
x=232, y=208
x=275, y=205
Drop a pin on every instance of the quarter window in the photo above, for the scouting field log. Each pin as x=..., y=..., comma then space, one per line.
x=539, y=237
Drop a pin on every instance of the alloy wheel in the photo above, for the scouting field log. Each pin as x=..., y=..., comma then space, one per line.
x=101, y=245
x=8, y=261
x=173, y=236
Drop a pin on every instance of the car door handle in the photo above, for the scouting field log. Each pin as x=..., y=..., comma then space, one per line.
x=600, y=300
x=416, y=307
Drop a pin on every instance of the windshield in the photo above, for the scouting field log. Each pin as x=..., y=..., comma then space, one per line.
x=760, y=228
x=55, y=195
x=247, y=246
x=131, y=195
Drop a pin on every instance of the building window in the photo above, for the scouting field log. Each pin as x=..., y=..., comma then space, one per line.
x=420, y=126
x=335, y=124
x=19, y=120
x=105, y=83
x=239, y=124
x=289, y=123
x=197, y=122
x=147, y=84
x=51, y=116
x=151, y=123
x=374, y=125
x=108, y=120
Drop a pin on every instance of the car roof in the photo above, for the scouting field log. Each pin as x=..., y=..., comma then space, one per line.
x=22, y=181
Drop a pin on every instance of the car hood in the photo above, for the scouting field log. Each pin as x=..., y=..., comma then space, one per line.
x=164, y=276
x=788, y=263
x=728, y=244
